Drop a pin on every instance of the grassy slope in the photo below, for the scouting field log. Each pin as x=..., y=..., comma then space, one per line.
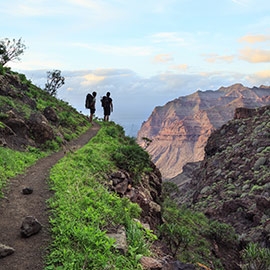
x=71, y=123
x=83, y=209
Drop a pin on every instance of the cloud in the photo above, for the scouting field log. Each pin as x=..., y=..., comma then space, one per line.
x=180, y=67
x=213, y=58
x=168, y=37
x=134, y=96
x=255, y=55
x=254, y=38
x=264, y=74
x=91, y=79
x=163, y=58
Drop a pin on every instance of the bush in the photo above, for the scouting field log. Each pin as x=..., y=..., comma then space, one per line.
x=221, y=233
x=133, y=159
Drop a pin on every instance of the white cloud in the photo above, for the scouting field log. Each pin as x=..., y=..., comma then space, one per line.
x=255, y=55
x=135, y=97
x=213, y=58
x=255, y=38
x=163, y=58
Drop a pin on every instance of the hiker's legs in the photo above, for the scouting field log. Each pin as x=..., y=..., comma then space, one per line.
x=92, y=112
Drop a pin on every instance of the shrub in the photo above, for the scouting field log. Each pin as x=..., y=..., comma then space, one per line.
x=255, y=257
x=221, y=233
x=132, y=158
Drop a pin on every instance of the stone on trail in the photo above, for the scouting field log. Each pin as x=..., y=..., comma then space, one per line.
x=5, y=250
x=30, y=226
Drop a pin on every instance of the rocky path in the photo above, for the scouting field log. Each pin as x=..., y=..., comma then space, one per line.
x=29, y=252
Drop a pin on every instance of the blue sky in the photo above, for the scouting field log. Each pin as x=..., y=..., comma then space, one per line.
x=145, y=53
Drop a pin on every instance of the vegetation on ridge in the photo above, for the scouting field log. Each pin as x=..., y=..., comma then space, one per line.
x=83, y=209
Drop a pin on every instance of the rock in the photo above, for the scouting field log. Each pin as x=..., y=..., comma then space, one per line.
x=120, y=240
x=241, y=113
x=27, y=191
x=5, y=250
x=259, y=162
x=262, y=203
x=40, y=128
x=30, y=226
x=150, y=263
x=50, y=114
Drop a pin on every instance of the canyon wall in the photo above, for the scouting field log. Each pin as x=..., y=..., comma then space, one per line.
x=179, y=130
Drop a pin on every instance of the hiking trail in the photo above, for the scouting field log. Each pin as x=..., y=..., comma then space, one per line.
x=15, y=206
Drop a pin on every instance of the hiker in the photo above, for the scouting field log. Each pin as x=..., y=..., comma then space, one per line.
x=90, y=103
x=106, y=103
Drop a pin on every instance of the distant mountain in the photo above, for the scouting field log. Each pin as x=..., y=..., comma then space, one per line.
x=180, y=129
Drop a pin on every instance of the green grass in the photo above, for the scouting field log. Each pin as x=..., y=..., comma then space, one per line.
x=15, y=162
x=83, y=209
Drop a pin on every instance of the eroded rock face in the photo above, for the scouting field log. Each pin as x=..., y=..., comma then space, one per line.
x=180, y=129
x=145, y=195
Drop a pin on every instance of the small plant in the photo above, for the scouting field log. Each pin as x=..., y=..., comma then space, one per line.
x=169, y=188
x=255, y=257
x=176, y=236
x=221, y=233
x=147, y=141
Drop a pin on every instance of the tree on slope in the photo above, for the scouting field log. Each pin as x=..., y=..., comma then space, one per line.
x=10, y=50
x=54, y=81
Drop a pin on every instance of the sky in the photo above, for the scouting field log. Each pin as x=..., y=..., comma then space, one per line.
x=146, y=53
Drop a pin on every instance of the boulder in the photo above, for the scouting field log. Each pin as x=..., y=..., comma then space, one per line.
x=50, y=114
x=30, y=226
x=40, y=128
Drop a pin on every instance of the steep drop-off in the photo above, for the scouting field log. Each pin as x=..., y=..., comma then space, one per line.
x=232, y=183
x=180, y=129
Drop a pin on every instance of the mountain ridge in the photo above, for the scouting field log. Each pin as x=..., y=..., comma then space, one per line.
x=179, y=129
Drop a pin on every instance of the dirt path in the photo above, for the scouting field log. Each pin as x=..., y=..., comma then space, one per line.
x=29, y=252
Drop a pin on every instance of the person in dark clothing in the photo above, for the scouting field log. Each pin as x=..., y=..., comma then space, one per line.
x=107, y=105
x=92, y=106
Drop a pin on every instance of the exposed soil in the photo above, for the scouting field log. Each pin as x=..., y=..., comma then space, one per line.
x=29, y=252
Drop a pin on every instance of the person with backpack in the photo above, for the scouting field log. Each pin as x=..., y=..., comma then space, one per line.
x=90, y=103
x=106, y=103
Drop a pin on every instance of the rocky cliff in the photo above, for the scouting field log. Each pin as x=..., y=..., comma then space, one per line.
x=232, y=183
x=179, y=130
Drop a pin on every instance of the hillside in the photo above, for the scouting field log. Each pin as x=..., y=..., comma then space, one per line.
x=30, y=117
x=180, y=129
x=232, y=183
x=100, y=203
x=39, y=129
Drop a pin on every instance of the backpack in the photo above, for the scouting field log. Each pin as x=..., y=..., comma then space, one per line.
x=88, y=101
x=105, y=102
